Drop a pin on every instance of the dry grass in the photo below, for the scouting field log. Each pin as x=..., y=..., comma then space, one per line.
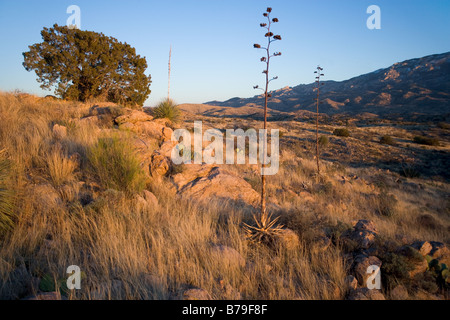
x=60, y=167
x=128, y=251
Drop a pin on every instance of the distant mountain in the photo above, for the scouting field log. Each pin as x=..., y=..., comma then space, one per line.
x=417, y=86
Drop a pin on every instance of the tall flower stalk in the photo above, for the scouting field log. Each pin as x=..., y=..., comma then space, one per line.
x=266, y=229
x=319, y=74
x=266, y=59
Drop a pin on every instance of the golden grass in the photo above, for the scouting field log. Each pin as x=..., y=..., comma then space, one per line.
x=60, y=167
x=127, y=251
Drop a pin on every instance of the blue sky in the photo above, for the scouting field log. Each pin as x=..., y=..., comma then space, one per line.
x=212, y=41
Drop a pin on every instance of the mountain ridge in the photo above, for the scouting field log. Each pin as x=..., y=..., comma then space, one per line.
x=414, y=86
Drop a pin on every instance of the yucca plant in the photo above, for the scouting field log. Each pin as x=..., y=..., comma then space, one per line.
x=6, y=198
x=167, y=109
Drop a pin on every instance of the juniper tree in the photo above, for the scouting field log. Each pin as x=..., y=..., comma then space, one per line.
x=84, y=65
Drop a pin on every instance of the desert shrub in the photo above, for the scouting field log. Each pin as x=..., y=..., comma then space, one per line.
x=386, y=204
x=387, y=140
x=394, y=269
x=325, y=188
x=336, y=231
x=343, y=132
x=114, y=164
x=106, y=115
x=49, y=284
x=6, y=197
x=167, y=109
x=426, y=141
x=427, y=281
x=411, y=254
x=323, y=141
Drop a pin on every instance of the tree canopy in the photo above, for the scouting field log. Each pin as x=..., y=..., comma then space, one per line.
x=84, y=65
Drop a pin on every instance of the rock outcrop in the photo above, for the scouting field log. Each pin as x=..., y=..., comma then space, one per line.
x=361, y=267
x=205, y=182
x=363, y=234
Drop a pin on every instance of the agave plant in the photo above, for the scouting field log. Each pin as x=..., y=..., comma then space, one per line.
x=265, y=231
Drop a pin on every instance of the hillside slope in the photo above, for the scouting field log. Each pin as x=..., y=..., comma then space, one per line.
x=419, y=86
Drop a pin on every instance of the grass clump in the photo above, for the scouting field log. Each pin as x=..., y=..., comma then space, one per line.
x=343, y=132
x=6, y=204
x=323, y=141
x=410, y=171
x=60, y=167
x=386, y=204
x=167, y=109
x=426, y=141
x=387, y=140
x=113, y=162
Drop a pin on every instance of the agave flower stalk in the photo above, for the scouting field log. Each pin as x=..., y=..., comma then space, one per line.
x=319, y=74
x=266, y=60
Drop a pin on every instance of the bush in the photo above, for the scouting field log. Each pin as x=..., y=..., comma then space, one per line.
x=113, y=162
x=387, y=140
x=394, y=269
x=426, y=141
x=341, y=132
x=167, y=109
x=323, y=141
x=386, y=204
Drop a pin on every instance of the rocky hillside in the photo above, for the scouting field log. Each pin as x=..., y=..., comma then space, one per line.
x=94, y=186
x=417, y=86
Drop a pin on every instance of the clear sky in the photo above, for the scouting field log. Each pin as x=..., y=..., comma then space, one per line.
x=212, y=40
